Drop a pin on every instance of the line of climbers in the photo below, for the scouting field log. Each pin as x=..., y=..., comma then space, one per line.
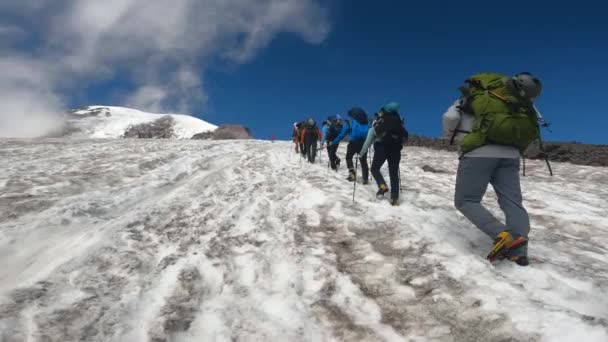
x=386, y=134
x=494, y=121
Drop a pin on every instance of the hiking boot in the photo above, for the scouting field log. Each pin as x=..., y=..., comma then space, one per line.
x=338, y=162
x=520, y=260
x=503, y=244
x=383, y=189
x=351, y=176
x=365, y=182
x=394, y=202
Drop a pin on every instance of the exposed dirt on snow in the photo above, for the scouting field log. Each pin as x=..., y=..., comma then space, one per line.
x=135, y=240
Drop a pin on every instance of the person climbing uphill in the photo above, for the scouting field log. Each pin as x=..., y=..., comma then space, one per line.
x=334, y=127
x=311, y=134
x=496, y=121
x=295, y=136
x=357, y=130
x=388, y=135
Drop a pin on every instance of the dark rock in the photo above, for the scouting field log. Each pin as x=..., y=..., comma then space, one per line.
x=571, y=152
x=568, y=152
x=434, y=143
x=225, y=132
x=203, y=136
x=161, y=128
x=232, y=132
x=428, y=168
x=95, y=112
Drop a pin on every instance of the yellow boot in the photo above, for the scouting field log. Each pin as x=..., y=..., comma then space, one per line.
x=501, y=244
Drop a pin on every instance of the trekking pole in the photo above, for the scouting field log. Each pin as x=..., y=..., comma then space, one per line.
x=328, y=161
x=320, y=155
x=399, y=165
x=355, y=180
x=546, y=155
x=539, y=118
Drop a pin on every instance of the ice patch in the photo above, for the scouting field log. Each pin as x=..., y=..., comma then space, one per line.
x=310, y=198
x=313, y=218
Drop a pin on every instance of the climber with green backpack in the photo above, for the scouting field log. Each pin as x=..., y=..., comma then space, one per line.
x=494, y=122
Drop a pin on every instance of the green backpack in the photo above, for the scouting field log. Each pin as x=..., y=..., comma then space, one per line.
x=501, y=117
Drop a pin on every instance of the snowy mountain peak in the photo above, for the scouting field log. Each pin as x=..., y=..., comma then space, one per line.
x=119, y=122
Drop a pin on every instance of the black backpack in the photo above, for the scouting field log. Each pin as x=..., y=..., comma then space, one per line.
x=311, y=131
x=334, y=129
x=390, y=130
x=359, y=115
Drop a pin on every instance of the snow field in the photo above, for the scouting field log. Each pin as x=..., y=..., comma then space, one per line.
x=114, y=240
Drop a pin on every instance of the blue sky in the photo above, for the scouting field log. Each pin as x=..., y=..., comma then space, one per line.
x=314, y=58
x=418, y=55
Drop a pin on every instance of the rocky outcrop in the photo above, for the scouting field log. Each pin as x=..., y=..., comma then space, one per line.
x=158, y=129
x=203, y=136
x=232, y=132
x=87, y=112
x=434, y=143
x=568, y=152
x=226, y=132
x=572, y=152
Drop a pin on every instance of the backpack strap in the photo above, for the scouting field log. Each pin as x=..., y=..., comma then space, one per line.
x=475, y=83
x=456, y=131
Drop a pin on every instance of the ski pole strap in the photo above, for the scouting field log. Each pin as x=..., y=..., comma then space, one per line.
x=502, y=98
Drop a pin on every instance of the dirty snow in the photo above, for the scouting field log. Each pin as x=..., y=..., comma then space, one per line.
x=130, y=240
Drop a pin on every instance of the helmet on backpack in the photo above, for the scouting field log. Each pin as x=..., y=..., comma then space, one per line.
x=527, y=86
x=391, y=107
x=332, y=119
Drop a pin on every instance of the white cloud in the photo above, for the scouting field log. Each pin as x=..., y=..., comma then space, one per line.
x=164, y=46
x=28, y=104
x=10, y=30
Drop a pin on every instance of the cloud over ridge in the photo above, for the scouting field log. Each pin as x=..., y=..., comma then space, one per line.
x=163, y=47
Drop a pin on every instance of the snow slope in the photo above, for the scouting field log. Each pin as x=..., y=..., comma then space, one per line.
x=133, y=240
x=112, y=122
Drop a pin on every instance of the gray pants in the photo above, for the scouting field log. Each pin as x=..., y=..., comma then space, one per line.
x=474, y=175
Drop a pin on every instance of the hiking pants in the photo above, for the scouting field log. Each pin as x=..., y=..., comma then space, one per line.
x=393, y=156
x=333, y=157
x=310, y=148
x=472, y=179
x=353, y=148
